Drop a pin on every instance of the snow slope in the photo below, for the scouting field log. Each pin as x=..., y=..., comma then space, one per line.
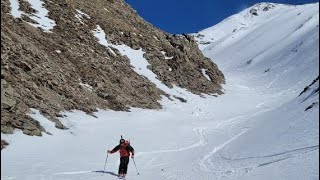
x=260, y=129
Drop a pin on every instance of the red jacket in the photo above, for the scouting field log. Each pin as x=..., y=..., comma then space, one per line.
x=124, y=149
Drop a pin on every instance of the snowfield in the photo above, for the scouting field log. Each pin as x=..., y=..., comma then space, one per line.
x=259, y=129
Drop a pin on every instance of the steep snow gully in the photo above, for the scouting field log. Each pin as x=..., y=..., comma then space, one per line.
x=259, y=129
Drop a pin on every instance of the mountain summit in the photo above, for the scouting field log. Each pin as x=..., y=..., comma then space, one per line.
x=247, y=20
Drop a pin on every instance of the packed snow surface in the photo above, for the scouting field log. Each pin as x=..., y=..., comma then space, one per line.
x=259, y=129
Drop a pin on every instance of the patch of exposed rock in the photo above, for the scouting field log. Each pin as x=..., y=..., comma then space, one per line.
x=51, y=72
x=4, y=144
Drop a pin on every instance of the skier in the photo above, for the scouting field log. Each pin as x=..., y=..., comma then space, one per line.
x=125, y=148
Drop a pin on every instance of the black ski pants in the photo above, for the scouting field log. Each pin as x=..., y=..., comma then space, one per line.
x=124, y=161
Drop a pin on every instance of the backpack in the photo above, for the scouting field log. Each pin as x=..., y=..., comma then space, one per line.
x=124, y=151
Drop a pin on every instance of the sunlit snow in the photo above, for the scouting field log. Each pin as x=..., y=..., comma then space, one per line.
x=259, y=129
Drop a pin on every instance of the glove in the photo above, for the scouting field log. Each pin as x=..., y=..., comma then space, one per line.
x=109, y=151
x=132, y=156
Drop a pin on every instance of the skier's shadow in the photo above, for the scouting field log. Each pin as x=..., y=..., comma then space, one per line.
x=106, y=172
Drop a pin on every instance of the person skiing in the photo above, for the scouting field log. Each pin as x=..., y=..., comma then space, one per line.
x=124, y=148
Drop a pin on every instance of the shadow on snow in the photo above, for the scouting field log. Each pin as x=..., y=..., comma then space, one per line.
x=106, y=172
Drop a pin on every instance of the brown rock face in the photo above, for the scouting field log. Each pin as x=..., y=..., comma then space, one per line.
x=7, y=96
x=47, y=70
x=3, y=144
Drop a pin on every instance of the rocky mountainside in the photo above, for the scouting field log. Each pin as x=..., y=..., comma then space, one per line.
x=52, y=61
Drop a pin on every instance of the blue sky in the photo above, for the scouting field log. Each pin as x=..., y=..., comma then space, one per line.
x=186, y=16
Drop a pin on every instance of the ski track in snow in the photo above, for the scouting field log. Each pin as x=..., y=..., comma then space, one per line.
x=253, y=163
x=286, y=153
x=198, y=131
x=204, y=161
x=238, y=119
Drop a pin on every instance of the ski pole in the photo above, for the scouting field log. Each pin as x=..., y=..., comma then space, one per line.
x=135, y=165
x=105, y=164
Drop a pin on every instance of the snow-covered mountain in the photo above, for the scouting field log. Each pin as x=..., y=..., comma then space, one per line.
x=265, y=126
x=271, y=50
x=275, y=44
